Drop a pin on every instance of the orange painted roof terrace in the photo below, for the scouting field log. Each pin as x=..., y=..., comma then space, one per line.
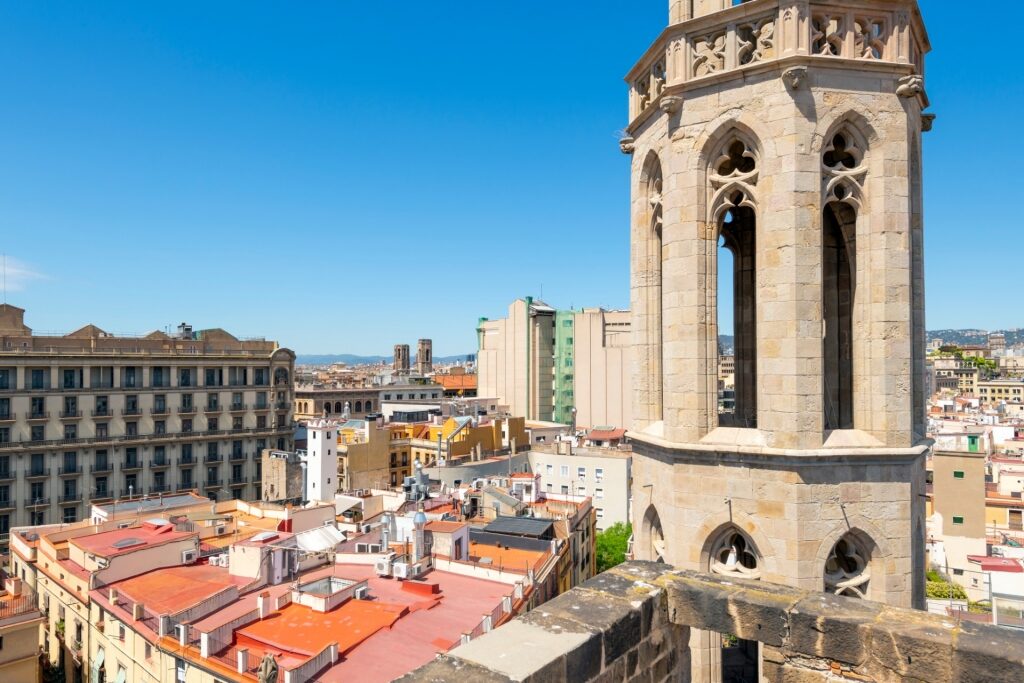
x=173, y=589
x=121, y=541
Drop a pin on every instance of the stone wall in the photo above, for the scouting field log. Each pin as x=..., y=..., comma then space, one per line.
x=633, y=624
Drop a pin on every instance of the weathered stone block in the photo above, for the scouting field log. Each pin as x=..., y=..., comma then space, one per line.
x=826, y=625
x=989, y=655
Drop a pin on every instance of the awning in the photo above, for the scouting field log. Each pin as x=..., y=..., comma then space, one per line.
x=320, y=539
x=97, y=664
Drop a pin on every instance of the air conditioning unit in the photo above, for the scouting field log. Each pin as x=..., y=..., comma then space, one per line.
x=400, y=570
x=361, y=593
x=362, y=547
x=188, y=556
x=221, y=529
x=375, y=547
x=383, y=565
x=365, y=528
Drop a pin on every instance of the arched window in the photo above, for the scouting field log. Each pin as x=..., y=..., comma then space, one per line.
x=733, y=178
x=848, y=568
x=327, y=407
x=734, y=554
x=359, y=406
x=369, y=406
x=654, y=535
x=843, y=179
x=652, y=256
x=338, y=407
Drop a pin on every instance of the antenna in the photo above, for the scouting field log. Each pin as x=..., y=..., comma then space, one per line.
x=5, y=278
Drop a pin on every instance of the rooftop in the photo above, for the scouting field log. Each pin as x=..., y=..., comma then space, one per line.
x=519, y=526
x=147, y=505
x=173, y=589
x=120, y=541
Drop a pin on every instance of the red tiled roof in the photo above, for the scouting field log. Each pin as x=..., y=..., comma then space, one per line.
x=997, y=564
x=456, y=382
x=605, y=434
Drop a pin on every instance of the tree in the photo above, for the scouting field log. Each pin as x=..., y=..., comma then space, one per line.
x=611, y=546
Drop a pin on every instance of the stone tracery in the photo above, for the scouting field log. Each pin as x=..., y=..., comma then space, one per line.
x=732, y=554
x=847, y=569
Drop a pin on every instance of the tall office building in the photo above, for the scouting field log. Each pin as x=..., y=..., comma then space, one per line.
x=91, y=416
x=544, y=364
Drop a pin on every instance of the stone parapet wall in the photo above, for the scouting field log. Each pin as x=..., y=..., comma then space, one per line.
x=633, y=624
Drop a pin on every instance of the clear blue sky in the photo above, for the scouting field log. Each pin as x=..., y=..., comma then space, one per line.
x=343, y=176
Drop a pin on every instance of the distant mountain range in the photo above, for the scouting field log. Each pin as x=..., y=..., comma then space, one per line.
x=971, y=336
x=351, y=359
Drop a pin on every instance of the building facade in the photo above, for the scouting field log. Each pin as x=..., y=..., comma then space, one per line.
x=334, y=402
x=90, y=416
x=559, y=366
x=789, y=133
x=602, y=474
x=424, y=357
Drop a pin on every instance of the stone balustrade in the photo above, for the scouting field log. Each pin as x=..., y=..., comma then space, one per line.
x=747, y=36
x=633, y=624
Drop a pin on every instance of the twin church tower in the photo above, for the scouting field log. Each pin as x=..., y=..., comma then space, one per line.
x=781, y=139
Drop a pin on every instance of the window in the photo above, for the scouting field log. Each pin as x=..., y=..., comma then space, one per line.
x=70, y=515
x=958, y=474
x=186, y=425
x=958, y=572
x=565, y=489
x=213, y=424
x=599, y=473
x=550, y=470
x=581, y=473
x=37, y=433
x=958, y=520
x=564, y=470
x=598, y=493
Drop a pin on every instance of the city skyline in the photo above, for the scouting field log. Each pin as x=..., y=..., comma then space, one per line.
x=172, y=162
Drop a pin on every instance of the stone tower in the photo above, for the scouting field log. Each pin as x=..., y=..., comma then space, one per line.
x=424, y=357
x=781, y=138
x=401, y=362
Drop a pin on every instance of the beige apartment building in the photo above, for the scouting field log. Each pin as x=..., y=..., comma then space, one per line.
x=558, y=366
x=91, y=416
x=312, y=402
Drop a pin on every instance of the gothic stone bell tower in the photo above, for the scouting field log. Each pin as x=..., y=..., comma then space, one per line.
x=781, y=139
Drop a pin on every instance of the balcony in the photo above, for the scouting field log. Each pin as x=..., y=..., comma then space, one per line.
x=8, y=504
x=212, y=483
x=8, y=417
x=101, y=412
x=282, y=405
x=213, y=458
x=239, y=407
x=185, y=486
x=100, y=468
x=238, y=456
x=134, y=410
x=71, y=498
x=160, y=410
x=159, y=488
x=159, y=463
x=37, y=472
x=131, y=465
x=238, y=481
x=69, y=470
x=99, y=495
x=70, y=414
x=7, y=475
x=38, y=415
x=212, y=410
x=261, y=406
x=186, y=462
x=131, y=492
x=38, y=502
x=186, y=410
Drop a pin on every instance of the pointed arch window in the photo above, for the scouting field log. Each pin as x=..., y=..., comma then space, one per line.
x=733, y=179
x=653, y=257
x=843, y=179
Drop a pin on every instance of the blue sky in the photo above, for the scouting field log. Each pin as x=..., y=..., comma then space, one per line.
x=344, y=176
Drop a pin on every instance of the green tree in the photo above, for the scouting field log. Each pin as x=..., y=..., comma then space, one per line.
x=611, y=546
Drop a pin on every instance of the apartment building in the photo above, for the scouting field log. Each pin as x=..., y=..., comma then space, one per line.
x=602, y=474
x=19, y=631
x=559, y=366
x=312, y=402
x=90, y=416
